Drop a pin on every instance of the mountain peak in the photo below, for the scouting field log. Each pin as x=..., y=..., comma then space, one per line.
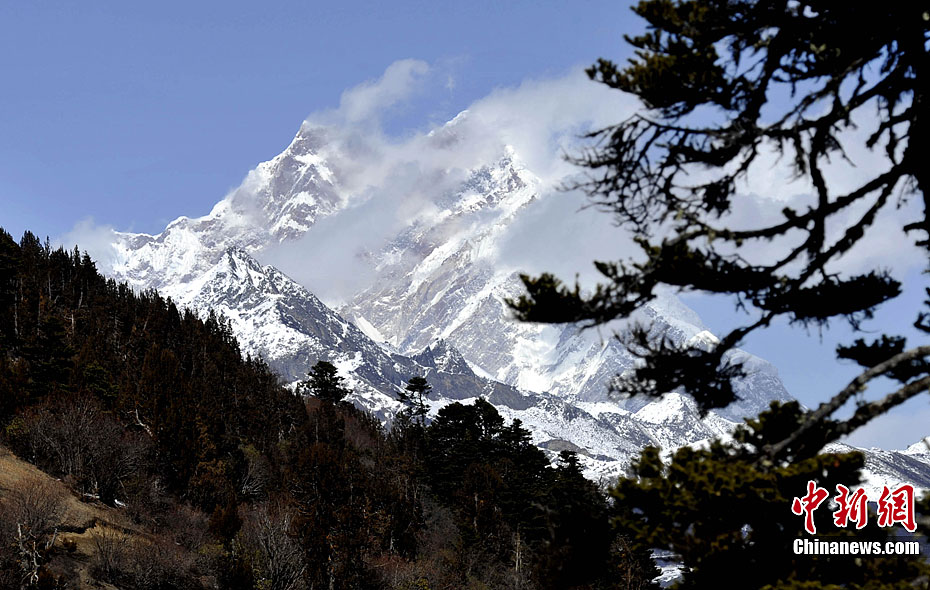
x=242, y=264
x=921, y=447
x=703, y=340
x=444, y=357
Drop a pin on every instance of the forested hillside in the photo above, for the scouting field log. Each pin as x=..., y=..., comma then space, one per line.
x=218, y=477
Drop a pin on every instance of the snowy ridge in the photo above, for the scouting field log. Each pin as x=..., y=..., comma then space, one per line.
x=279, y=200
x=890, y=468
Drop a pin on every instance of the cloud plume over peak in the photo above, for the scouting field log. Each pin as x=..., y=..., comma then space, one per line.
x=367, y=101
x=390, y=182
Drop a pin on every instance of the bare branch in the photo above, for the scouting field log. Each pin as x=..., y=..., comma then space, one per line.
x=857, y=385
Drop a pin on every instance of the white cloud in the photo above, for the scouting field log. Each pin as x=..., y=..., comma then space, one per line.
x=367, y=101
x=97, y=240
x=558, y=234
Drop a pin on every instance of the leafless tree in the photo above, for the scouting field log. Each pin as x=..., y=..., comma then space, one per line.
x=266, y=535
x=257, y=474
x=75, y=437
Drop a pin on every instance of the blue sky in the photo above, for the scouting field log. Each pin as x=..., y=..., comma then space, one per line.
x=135, y=113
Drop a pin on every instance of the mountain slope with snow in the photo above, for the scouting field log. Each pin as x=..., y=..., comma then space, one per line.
x=428, y=297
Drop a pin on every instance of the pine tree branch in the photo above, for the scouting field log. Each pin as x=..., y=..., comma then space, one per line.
x=866, y=412
x=819, y=416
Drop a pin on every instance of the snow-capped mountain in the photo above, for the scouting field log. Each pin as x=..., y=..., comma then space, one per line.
x=279, y=319
x=428, y=298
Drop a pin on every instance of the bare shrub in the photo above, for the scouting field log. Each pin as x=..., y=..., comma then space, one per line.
x=30, y=513
x=189, y=527
x=148, y=502
x=157, y=563
x=110, y=551
x=35, y=504
x=151, y=563
x=9, y=567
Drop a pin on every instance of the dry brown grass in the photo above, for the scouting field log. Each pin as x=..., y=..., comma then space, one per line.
x=76, y=514
x=81, y=525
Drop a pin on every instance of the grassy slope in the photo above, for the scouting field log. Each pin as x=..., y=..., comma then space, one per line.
x=80, y=521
